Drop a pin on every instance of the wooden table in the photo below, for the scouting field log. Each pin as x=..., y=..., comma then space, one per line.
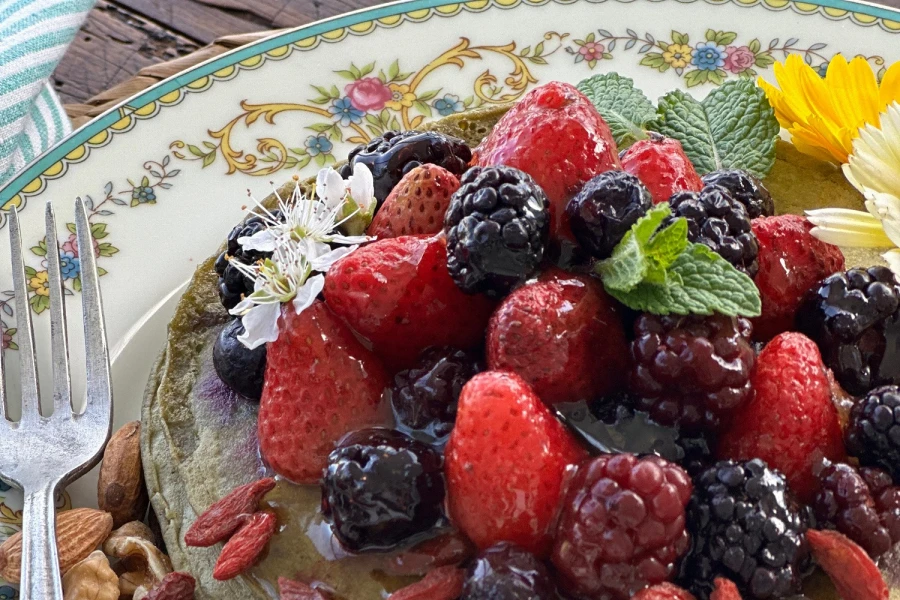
x=121, y=37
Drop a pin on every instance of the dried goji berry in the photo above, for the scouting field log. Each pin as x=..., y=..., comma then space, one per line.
x=443, y=583
x=224, y=517
x=449, y=549
x=245, y=547
x=174, y=586
x=852, y=571
x=725, y=590
x=290, y=589
x=663, y=591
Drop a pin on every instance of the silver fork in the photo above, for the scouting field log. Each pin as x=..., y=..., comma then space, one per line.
x=42, y=454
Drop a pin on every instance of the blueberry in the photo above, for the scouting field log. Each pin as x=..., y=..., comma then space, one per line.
x=238, y=367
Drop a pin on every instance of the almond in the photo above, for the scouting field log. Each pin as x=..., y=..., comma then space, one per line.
x=120, y=488
x=78, y=533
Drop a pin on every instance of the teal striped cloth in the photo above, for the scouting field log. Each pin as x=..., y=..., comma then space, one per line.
x=34, y=35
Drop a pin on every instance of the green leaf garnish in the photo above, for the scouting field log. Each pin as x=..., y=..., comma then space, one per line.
x=625, y=108
x=659, y=271
x=732, y=128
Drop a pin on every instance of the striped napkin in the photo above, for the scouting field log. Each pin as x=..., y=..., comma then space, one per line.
x=34, y=35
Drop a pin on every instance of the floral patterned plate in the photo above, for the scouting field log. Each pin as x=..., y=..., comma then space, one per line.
x=166, y=173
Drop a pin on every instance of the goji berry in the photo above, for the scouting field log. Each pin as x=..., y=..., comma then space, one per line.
x=852, y=571
x=224, y=517
x=245, y=547
x=174, y=586
x=443, y=583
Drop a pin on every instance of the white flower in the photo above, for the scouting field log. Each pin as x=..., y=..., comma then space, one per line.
x=362, y=187
x=874, y=169
x=331, y=187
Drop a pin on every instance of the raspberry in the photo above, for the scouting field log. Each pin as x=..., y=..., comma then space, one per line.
x=605, y=209
x=846, y=502
x=854, y=317
x=497, y=226
x=661, y=164
x=507, y=572
x=424, y=397
x=691, y=371
x=746, y=189
x=745, y=527
x=622, y=526
x=873, y=434
x=791, y=262
x=718, y=221
x=382, y=488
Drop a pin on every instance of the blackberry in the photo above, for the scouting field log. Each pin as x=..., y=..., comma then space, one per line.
x=393, y=154
x=381, y=489
x=611, y=425
x=746, y=188
x=873, y=434
x=715, y=219
x=862, y=504
x=233, y=284
x=239, y=367
x=745, y=526
x=506, y=572
x=854, y=317
x=605, y=209
x=497, y=228
x=424, y=397
x=691, y=371
x=622, y=526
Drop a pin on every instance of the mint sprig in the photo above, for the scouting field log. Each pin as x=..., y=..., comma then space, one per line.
x=734, y=127
x=658, y=270
x=624, y=107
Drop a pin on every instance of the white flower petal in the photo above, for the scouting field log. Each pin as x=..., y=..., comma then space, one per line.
x=323, y=262
x=260, y=325
x=892, y=258
x=263, y=240
x=362, y=186
x=845, y=227
x=330, y=187
x=875, y=161
x=308, y=292
x=350, y=239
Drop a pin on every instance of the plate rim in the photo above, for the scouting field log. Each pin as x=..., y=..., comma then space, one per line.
x=37, y=169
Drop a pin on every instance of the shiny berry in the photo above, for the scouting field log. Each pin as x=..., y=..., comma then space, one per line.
x=239, y=367
x=746, y=188
x=873, y=434
x=507, y=572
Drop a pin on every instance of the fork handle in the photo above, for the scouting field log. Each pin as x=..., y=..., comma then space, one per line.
x=40, y=557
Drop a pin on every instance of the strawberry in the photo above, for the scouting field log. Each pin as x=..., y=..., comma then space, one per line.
x=853, y=573
x=791, y=422
x=320, y=384
x=563, y=335
x=417, y=203
x=791, y=262
x=555, y=135
x=662, y=166
x=506, y=463
x=398, y=294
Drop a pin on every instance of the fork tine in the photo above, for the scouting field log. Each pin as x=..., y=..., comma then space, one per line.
x=28, y=376
x=59, y=340
x=4, y=410
x=99, y=388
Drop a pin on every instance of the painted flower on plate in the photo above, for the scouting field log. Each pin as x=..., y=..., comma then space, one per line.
x=708, y=56
x=344, y=112
x=8, y=593
x=144, y=194
x=39, y=284
x=678, y=55
x=71, y=246
x=368, y=93
x=448, y=105
x=400, y=96
x=738, y=59
x=592, y=51
x=318, y=144
x=69, y=264
x=5, y=342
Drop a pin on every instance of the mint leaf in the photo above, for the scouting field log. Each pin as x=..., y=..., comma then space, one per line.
x=712, y=281
x=629, y=263
x=625, y=108
x=667, y=245
x=732, y=128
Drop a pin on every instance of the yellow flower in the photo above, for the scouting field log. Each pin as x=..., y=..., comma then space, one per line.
x=824, y=116
x=678, y=55
x=39, y=283
x=401, y=96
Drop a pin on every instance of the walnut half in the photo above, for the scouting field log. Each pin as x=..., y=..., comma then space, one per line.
x=143, y=563
x=91, y=579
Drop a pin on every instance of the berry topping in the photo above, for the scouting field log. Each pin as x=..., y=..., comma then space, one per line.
x=417, y=205
x=382, y=488
x=663, y=591
x=746, y=188
x=223, y=518
x=867, y=513
x=790, y=422
x=424, y=397
x=506, y=572
x=233, y=284
x=691, y=370
x=555, y=135
x=321, y=383
x=718, y=221
x=563, y=335
x=791, y=262
x=854, y=317
x=873, y=434
x=240, y=368
x=506, y=463
x=745, y=527
x=443, y=583
x=605, y=209
x=661, y=164
x=622, y=526
x=396, y=293
x=497, y=227
x=394, y=154
x=852, y=571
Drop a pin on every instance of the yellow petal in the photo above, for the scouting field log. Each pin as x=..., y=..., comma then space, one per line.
x=889, y=91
